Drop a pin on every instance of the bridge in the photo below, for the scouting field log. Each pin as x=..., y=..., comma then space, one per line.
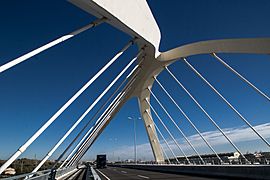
x=138, y=79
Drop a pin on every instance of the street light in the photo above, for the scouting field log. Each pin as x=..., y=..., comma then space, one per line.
x=114, y=140
x=135, y=148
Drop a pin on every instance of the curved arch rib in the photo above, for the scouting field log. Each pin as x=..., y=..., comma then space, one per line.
x=249, y=45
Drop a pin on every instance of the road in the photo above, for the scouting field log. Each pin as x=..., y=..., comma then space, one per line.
x=116, y=173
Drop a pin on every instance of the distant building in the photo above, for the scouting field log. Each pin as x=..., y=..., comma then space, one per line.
x=129, y=161
x=9, y=171
x=235, y=157
x=208, y=158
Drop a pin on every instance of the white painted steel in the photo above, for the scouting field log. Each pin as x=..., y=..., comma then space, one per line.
x=102, y=123
x=133, y=17
x=136, y=68
x=62, y=109
x=152, y=67
x=245, y=45
x=91, y=138
x=85, y=141
x=85, y=113
x=116, y=10
x=178, y=128
x=191, y=123
x=146, y=30
x=165, y=154
x=207, y=115
x=168, y=131
x=49, y=45
x=163, y=138
x=85, y=146
x=99, y=127
x=241, y=77
x=118, y=76
x=228, y=103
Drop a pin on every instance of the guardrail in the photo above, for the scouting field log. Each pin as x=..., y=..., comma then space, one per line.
x=36, y=175
x=44, y=175
x=94, y=176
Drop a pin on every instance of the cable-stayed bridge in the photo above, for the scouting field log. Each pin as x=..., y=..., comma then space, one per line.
x=141, y=73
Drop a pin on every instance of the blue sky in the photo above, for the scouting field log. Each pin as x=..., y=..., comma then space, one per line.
x=31, y=92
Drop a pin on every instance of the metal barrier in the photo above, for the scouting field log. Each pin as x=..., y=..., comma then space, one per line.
x=46, y=174
x=40, y=174
x=65, y=172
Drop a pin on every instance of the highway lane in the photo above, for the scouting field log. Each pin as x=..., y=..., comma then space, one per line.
x=116, y=173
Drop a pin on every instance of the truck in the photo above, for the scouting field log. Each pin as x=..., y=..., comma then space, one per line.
x=101, y=161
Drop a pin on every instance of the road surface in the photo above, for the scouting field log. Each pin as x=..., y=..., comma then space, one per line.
x=116, y=173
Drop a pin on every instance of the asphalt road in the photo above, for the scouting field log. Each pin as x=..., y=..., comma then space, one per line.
x=116, y=173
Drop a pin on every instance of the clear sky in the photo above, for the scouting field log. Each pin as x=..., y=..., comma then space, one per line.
x=32, y=92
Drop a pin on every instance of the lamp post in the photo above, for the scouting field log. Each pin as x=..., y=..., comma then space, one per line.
x=114, y=141
x=135, y=147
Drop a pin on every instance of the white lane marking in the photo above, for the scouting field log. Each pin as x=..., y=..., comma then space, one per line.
x=103, y=174
x=124, y=172
x=145, y=177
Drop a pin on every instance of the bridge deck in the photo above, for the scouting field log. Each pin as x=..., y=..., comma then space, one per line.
x=78, y=175
x=117, y=173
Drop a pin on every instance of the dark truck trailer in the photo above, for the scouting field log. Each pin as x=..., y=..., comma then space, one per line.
x=101, y=161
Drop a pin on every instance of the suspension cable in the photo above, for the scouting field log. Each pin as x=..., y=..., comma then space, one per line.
x=49, y=45
x=165, y=154
x=84, y=114
x=240, y=76
x=61, y=110
x=160, y=133
x=84, y=148
x=95, y=115
x=204, y=111
x=84, y=140
x=167, y=157
x=228, y=103
x=192, y=124
x=81, y=145
x=160, y=120
x=89, y=140
x=179, y=129
x=85, y=144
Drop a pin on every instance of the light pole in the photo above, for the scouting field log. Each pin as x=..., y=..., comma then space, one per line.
x=114, y=140
x=135, y=147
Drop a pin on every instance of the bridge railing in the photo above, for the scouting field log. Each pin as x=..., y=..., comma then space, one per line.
x=35, y=175
x=45, y=174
